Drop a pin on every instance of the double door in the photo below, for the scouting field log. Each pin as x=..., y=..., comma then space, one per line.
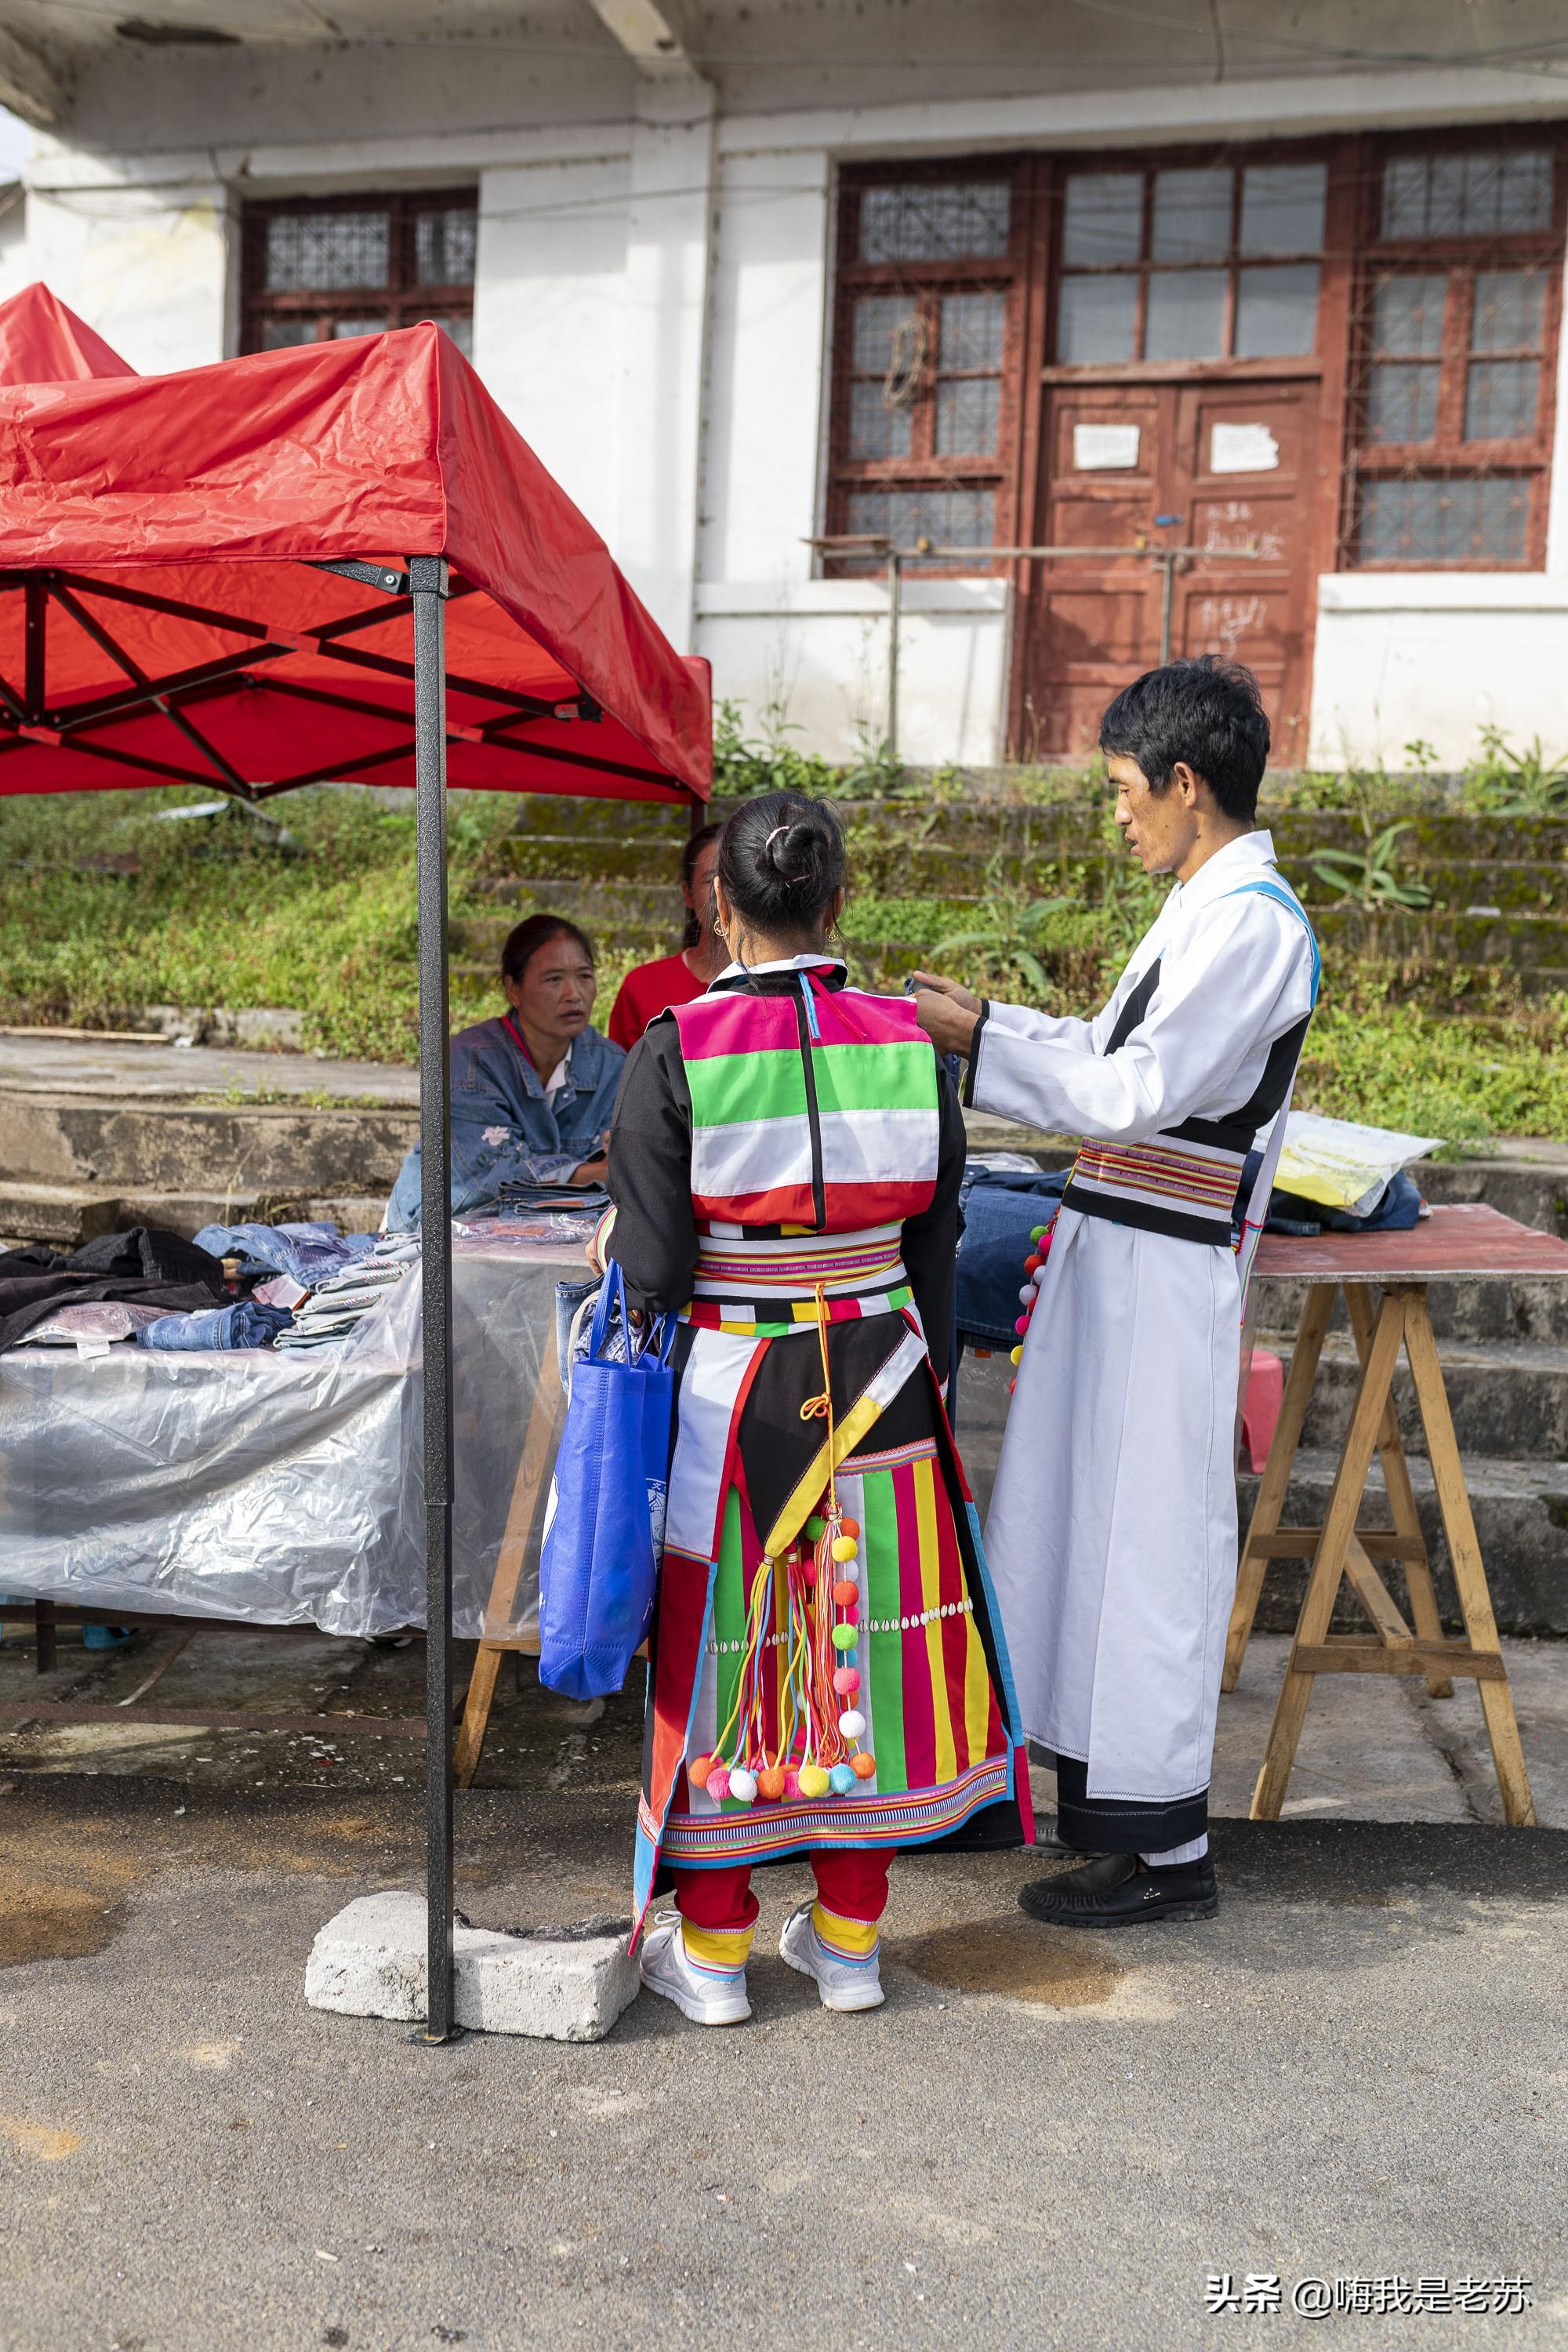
x=1229, y=469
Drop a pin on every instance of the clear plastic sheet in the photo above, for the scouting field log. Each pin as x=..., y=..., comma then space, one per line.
x=278, y=1489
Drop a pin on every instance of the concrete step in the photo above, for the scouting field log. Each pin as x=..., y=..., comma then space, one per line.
x=67, y=1215
x=1533, y=1191
x=1509, y=1397
x=119, y=1148
x=1520, y=1511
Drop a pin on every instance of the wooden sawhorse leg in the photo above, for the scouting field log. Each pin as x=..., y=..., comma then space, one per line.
x=529, y=1491
x=1402, y=1318
x=1419, y=1585
x=1276, y=1479
x=1465, y=1557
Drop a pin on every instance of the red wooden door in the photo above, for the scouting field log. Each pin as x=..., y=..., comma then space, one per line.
x=1221, y=466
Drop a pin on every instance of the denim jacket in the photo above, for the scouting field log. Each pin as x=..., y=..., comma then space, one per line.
x=503, y=1130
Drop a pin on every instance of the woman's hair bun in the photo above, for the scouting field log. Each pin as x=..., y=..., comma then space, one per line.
x=794, y=851
x=782, y=862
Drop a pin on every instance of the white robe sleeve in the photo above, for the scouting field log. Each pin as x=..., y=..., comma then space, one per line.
x=1040, y=1028
x=1242, y=982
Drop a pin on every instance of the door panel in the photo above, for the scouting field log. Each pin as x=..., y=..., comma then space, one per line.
x=1244, y=475
x=1222, y=468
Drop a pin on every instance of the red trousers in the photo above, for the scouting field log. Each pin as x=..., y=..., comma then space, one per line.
x=851, y=1880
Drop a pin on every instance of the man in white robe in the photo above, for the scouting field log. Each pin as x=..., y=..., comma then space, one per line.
x=1112, y=1534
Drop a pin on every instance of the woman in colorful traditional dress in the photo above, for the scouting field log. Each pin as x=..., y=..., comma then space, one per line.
x=827, y=1672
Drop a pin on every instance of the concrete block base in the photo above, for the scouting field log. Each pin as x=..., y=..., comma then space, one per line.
x=558, y=1984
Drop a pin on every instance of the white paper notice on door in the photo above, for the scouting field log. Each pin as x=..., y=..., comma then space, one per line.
x=1243, y=449
x=1104, y=449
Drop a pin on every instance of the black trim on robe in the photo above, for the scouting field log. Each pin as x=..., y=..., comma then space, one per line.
x=1119, y=1825
x=1134, y=1009
x=974, y=1062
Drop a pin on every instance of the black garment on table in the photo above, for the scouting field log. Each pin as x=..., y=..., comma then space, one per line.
x=149, y=1251
x=654, y=1240
x=144, y=1267
x=1118, y=1824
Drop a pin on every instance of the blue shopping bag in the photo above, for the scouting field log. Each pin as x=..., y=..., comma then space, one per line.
x=603, y=1525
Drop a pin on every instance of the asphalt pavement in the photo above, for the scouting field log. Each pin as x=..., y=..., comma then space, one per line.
x=1355, y=2074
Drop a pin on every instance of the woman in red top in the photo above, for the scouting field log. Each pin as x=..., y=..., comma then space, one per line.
x=650, y=989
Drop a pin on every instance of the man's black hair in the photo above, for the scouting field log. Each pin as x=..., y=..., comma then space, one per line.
x=1206, y=711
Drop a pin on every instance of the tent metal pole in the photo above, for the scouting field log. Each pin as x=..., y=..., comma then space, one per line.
x=427, y=579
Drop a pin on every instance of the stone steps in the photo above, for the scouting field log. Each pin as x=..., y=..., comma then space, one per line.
x=67, y=1215
x=1520, y=1511
x=978, y=824
x=1509, y=1397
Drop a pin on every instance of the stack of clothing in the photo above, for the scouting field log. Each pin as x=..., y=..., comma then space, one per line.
x=146, y=1267
x=310, y=1252
x=339, y=1305
x=545, y=1197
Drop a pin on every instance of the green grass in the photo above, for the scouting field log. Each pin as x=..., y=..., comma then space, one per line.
x=105, y=909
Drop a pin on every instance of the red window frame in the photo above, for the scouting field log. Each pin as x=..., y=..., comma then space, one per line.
x=404, y=300
x=1447, y=456
x=923, y=284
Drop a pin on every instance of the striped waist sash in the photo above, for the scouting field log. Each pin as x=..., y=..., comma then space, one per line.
x=752, y=1284
x=1186, y=1190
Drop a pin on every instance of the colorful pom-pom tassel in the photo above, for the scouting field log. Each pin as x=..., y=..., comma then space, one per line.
x=1033, y=1264
x=850, y=1527
x=845, y=1594
x=813, y=1780
x=843, y=1778
x=718, y=1783
x=699, y=1769
x=1021, y=1325
x=770, y=1783
x=844, y=1546
x=844, y=1637
x=1038, y=1232
x=743, y=1786
x=792, y=1787
x=851, y=1723
x=1018, y=1355
x=863, y=1765
x=845, y=1680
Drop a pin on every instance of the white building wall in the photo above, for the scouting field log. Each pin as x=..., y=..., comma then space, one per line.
x=550, y=304
x=653, y=310
x=154, y=270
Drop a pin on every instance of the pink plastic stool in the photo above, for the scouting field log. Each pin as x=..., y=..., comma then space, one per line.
x=1264, y=1395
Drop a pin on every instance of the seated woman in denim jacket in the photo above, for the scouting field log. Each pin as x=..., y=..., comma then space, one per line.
x=532, y=1091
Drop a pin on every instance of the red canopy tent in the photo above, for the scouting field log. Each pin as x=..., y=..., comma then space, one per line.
x=325, y=562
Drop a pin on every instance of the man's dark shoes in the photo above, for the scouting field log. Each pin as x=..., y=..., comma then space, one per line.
x=1119, y=1891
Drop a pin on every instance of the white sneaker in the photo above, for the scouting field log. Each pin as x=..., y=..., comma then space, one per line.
x=707, y=1995
x=843, y=1984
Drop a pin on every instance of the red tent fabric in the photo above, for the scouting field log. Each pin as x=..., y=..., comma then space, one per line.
x=42, y=341
x=164, y=617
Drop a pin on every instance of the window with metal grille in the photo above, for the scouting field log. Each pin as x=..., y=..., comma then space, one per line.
x=317, y=268
x=1206, y=261
x=1453, y=351
x=924, y=398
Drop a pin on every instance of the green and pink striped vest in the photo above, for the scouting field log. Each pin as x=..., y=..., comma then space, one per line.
x=817, y=1109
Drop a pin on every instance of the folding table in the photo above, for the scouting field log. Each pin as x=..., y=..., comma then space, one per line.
x=1384, y=1278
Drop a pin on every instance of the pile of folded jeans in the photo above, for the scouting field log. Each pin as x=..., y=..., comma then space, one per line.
x=312, y=1252
x=245, y=1324
x=338, y=1305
